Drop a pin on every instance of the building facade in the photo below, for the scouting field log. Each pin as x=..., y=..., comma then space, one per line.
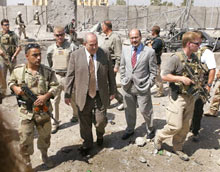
x=3, y=2
x=39, y=2
x=92, y=2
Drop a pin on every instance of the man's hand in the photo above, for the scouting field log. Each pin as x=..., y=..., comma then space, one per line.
x=186, y=80
x=115, y=69
x=2, y=53
x=208, y=88
x=17, y=90
x=13, y=58
x=67, y=101
x=41, y=100
x=112, y=97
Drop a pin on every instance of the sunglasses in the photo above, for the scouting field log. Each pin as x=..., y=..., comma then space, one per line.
x=196, y=43
x=61, y=34
x=5, y=24
x=29, y=46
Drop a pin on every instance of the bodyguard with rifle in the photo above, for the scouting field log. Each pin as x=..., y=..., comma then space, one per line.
x=9, y=50
x=34, y=84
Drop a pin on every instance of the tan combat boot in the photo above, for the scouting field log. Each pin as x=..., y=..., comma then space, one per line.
x=46, y=159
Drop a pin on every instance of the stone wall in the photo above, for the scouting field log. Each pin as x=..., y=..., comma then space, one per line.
x=123, y=17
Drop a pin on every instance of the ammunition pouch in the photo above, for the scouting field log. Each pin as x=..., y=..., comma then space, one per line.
x=41, y=118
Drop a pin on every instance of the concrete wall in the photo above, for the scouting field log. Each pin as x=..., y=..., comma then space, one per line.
x=123, y=17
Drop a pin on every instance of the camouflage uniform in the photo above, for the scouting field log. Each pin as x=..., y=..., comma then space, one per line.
x=70, y=29
x=58, y=59
x=8, y=43
x=42, y=82
x=36, y=19
x=21, y=26
x=112, y=43
x=214, y=106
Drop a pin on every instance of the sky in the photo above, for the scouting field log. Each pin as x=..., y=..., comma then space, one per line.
x=207, y=3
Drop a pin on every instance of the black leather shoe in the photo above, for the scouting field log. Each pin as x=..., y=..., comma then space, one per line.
x=83, y=151
x=126, y=135
x=100, y=141
x=151, y=135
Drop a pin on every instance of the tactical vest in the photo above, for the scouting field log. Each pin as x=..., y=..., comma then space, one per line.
x=196, y=69
x=7, y=43
x=60, y=57
x=163, y=45
x=199, y=55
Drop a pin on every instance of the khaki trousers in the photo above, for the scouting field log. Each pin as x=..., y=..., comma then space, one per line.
x=179, y=115
x=158, y=81
x=214, y=106
x=93, y=112
x=57, y=98
x=26, y=133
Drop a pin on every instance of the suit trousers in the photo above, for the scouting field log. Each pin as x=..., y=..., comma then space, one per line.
x=131, y=98
x=93, y=112
x=56, y=101
x=197, y=116
x=179, y=115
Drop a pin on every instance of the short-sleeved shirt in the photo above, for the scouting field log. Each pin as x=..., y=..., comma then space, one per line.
x=208, y=58
x=112, y=43
x=174, y=66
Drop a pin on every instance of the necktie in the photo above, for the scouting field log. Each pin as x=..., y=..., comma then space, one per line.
x=92, y=81
x=134, y=57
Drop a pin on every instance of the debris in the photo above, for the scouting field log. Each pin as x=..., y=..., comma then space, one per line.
x=142, y=159
x=140, y=141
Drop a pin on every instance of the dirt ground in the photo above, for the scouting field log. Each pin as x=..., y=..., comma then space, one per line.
x=117, y=155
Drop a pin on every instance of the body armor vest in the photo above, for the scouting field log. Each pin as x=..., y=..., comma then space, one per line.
x=6, y=42
x=60, y=57
x=196, y=69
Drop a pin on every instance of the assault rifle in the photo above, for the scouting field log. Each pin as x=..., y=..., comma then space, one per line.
x=32, y=97
x=196, y=88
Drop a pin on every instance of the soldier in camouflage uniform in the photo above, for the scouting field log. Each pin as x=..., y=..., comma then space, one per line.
x=37, y=18
x=21, y=26
x=181, y=101
x=112, y=43
x=58, y=55
x=214, y=106
x=70, y=29
x=41, y=80
x=9, y=50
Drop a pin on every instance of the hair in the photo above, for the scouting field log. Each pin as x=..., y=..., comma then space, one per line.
x=31, y=45
x=108, y=23
x=189, y=37
x=137, y=30
x=4, y=21
x=199, y=33
x=9, y=156
x=85, y=39
x=59, y=28
x=156, y=29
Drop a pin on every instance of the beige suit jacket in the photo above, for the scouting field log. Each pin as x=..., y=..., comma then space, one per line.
x=77, y=79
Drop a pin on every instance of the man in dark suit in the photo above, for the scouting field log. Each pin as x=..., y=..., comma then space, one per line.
x=138, y=70
x=91, y=77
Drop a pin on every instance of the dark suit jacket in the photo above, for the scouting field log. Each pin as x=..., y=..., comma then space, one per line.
x=77, y=79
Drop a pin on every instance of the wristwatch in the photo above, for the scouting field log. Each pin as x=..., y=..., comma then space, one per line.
x=209, y=85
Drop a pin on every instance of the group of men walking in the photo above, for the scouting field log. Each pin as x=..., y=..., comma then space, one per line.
x=87, y=76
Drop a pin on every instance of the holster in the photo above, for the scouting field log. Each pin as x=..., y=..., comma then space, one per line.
x=174, y=91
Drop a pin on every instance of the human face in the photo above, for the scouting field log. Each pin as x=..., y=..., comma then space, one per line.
x=5, y=26
x=34, y=57
x=104, y=28
x=91, y=44
x=135, y=38
x=194, y=45
x=59, y=36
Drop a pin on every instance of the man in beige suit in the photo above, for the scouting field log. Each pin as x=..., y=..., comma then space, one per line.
x=91, y=77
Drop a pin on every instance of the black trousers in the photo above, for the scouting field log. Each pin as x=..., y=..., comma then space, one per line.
x=197, y=116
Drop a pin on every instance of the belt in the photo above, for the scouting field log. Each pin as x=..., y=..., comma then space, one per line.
x=61, y=73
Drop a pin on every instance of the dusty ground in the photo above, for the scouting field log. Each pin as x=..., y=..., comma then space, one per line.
x=117, y=155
